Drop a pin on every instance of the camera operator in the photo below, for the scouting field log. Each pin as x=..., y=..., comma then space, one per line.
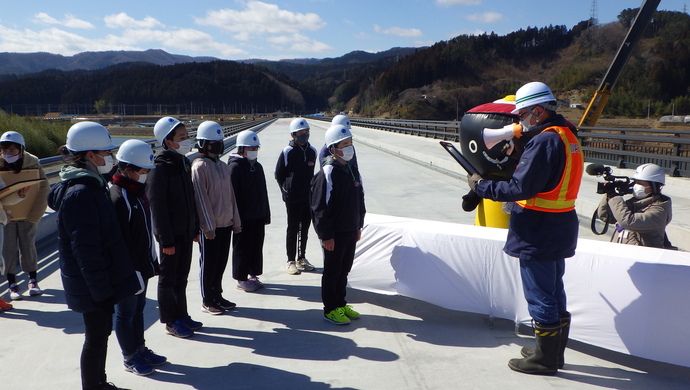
x=642, y=219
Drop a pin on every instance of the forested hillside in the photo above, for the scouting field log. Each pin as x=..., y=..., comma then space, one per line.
x=439, y=82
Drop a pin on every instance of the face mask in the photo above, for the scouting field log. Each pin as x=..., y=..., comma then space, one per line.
x=302, y=139
x=10, y=158
x=639, y=191
x=108, y=165
x=252, y=154
x=142, y=178
x=348, y=153
x=217, y=148
x=185, y=146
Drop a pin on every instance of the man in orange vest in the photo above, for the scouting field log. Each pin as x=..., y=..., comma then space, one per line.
x=543, y=224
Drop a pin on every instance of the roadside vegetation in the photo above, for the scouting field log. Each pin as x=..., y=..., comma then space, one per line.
x=43, y=138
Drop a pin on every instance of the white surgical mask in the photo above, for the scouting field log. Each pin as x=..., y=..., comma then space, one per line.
x=639, y=191
x=348, y=153
x=252, y=154
x=142, y=178
x=185, y=146
x=11, y=159
x=108, y=165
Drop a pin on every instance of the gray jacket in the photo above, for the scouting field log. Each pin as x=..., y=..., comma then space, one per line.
x=215, y=197
x=638, y=221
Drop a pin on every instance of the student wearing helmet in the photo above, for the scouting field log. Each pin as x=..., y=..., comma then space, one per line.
x=175, y=224
x=20, y=233
x=642, y=219
x=340, y=120
x=249, y=183
x=337, y=209
x=95, y=265
x=128, y=194
x=294, y=171
x=543, y=223
x=218, y=215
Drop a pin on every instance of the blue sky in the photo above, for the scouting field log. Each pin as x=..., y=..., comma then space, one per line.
x=277, y=29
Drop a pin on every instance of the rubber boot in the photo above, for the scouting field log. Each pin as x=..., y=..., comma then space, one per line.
x=544, y=360
x=565, y=332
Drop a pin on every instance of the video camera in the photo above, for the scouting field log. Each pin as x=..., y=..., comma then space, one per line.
x=613, y=185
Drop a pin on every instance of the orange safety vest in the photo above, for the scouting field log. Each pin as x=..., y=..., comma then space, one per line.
x=562, y=198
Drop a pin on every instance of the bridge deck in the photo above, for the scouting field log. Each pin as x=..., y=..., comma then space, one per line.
x=276, y=338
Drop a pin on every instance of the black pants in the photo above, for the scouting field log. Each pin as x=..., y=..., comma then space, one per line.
x=98, y=325
x=247, y=249
x=336, y=266
x=172, y=282
x=298, y=222
x=213, y=261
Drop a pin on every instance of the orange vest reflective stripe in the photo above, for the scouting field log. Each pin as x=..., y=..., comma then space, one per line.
x=562, y=198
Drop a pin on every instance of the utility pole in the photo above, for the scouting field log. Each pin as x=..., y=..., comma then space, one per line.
x=593, y=13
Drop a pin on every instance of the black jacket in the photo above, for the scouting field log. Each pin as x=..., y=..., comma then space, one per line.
x=249, y=183
x=134, y=214
x=171, y=194
x=95, y=265
x=294, y=171
x=337, y=199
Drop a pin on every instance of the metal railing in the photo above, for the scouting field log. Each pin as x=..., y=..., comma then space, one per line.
x=622, y=148
x=51, y=165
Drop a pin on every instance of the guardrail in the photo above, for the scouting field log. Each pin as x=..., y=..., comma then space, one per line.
x=622, y=148
x=51, y=165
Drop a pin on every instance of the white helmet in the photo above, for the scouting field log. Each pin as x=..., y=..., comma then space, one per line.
x=298, y=124
x=650, y=172
x=163, y=127
x=209, y=131
x=247, y=138
x=13, y=136
x=341, y=120
x=337, y=133
x=532, y=94
x=136, y=152
x=85, y=136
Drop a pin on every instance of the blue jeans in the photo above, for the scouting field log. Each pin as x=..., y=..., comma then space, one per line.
x=542, y=283
x=129, y=323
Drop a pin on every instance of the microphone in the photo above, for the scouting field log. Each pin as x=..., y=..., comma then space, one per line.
x=596, y=169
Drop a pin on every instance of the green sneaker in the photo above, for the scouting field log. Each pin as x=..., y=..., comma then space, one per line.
x=337, y=316
x=350, y=312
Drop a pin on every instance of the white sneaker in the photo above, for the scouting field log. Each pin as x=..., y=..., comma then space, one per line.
x=34, y=290
x=304, y=265
x=15, y=294
x=292, y=268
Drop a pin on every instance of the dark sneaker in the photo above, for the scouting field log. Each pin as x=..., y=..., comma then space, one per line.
x=336, y=316
x=304, y=265
x=151, y=358
x=225, y=304
x=138, y=366
x=178, y=329
x=247, y=285
x=212, y=308
x=256, y=281
x=191, y=324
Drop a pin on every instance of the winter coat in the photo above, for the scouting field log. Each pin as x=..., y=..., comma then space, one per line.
x=294, y=171
x=171, y=193
x=337, y=199
x=134, y=214
x=215, y=197
x=639, y=221
x=249, y=183
x=29, y=161
x=534, y=234
x=95, y=265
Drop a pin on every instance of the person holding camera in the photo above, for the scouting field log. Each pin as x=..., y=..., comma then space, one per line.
x=642, y=219
x=543, y=225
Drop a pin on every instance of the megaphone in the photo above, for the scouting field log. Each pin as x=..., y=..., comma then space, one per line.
x=493, y=136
